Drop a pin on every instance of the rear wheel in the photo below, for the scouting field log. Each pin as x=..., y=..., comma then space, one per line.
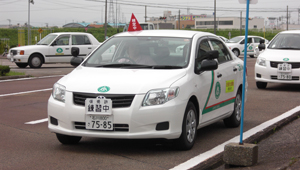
x=68, y=140
x=189, y=128
x=22, y=65
x=35, y=61
x=235, y=119
x=261, y=85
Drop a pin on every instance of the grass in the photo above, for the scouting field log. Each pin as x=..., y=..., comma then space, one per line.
x=13, y=73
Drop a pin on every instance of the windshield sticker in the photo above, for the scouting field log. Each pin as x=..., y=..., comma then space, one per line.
x=103, y=89
x=217, y=90
x=286, y=59
x=229, y=86
x=59, y=51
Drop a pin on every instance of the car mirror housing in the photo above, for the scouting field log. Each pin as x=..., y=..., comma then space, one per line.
x=75, y=51
x=75, y=61
x=208, y=65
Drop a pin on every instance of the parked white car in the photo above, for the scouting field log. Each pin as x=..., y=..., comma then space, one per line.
x=54, y=48
x=279, y=62
x=237, y=44
x=146, y=88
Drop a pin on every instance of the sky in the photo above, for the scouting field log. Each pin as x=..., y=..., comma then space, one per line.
x=61, y=12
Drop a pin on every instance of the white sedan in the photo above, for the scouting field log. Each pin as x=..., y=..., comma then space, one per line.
x=237, y=44
x=279, y=62
x=136, y=85
x=54, y=48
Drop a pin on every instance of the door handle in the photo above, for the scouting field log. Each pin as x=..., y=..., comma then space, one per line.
x=90, y=48
x=67, y=48
x=219, y=75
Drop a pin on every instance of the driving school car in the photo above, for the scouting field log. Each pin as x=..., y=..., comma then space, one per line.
x=279, y=62
x=112, y=95
x=54, y=48
x=237, y=44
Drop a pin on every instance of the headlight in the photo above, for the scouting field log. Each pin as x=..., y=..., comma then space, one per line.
x=160, y=96
x=59, y=92
x=261, y=61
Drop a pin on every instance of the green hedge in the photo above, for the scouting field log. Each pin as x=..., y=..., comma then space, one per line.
x=4, y=70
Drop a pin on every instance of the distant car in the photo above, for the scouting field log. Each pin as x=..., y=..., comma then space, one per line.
x=144, y=88
x=280, y=61
x=54, y=48
x=237, y=44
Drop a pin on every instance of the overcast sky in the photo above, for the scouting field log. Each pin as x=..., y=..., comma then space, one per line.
x=60, y=12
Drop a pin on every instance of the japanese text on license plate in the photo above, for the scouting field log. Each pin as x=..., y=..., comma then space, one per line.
x=98, y=106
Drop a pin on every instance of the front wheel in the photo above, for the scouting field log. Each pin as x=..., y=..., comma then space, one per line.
x=235, y=119
x=35, y=61
x=68, y=140
x=236, y=52
x=189, y=128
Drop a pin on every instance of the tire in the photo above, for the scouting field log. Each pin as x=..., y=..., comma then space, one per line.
x=22, y=65
x=261, y=85
x=235, y=119
x=35, y=61
x=252, y=56
x=68, y=140
x=236, y=52
x=189, y=128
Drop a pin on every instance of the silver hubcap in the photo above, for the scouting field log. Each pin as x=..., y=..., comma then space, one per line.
x=238, y=106
x=36, y=61
x=190, y=126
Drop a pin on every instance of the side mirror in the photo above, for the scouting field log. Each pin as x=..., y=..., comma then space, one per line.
x=208, y=65
x=212, y=54
x=75, y=61
x=261, y=47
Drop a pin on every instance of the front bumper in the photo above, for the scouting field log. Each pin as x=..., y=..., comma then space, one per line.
x=141, y=121
x=18, y=58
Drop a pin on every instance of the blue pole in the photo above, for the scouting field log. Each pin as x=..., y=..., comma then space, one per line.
x=244, y=73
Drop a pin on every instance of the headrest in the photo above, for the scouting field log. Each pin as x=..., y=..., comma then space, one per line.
x=162, y=52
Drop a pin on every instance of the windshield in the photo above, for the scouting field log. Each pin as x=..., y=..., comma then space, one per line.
x=286, y=41
x=138, y=52
x=47, y=40
x=234, y=40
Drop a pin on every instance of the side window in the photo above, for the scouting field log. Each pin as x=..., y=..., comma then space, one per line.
x=256, y=40
x=248, y=41
x=224, y=55
x=63, y=40
x=80, y=40
x=201, y=53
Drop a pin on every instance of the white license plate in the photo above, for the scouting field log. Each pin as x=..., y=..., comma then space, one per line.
x=99, y=122
x=284, y=76
x=284, y=67
x=98, y=106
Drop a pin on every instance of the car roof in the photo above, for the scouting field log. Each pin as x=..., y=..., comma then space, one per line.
x=291, y=32
x=59, y=33
x=250, y=36
x=164, y=33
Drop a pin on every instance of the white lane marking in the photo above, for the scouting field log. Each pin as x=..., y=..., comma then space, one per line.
x=29, y=78
x=37, y=121
x=220, y=148
x=11, y=94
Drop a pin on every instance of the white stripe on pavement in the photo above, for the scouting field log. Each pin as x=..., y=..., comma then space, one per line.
x=218, y=149
x=37, y=121
x=11, y=94
x=29, y=78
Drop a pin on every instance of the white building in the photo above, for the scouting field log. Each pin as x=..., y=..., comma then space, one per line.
x=229, y=23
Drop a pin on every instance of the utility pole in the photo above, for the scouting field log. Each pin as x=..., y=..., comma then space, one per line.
x=28, y=24
x=241, y=22
x=116, y=14
x=215, y=22
x=287, y=17
x=146, y=13
x=179, y=20
x=105, y=27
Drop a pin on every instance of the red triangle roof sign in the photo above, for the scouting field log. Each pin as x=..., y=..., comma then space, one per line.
x=134, y=24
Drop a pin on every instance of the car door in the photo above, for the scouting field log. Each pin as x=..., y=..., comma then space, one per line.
x=205, y=84
x=83, y=43
x=223, y=91
x=60, y=50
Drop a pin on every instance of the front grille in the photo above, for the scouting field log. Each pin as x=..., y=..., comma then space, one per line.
x=117, y=127
x=118, y=100
x=294, y=78
x=294, y=65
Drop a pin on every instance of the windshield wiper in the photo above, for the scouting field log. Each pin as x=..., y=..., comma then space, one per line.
x=166, y=67
x=288, y=48
x=123, y=65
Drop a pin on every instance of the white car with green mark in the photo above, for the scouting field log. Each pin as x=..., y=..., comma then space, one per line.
x=54, y=48
x=161, y=92
x=280, y=61
x=237, y=44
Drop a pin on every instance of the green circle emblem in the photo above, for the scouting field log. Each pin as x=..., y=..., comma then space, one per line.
x=217, y=90
x=250, y=48
x=59, y=50
x=103, y=89
x=286, y=59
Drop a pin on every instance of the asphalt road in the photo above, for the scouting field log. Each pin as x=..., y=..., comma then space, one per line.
x=32, y=146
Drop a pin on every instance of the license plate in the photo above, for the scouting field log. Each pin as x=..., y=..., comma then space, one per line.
x=99, y=122
x=98, y=106
x=285, y=67
x=284, y=76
